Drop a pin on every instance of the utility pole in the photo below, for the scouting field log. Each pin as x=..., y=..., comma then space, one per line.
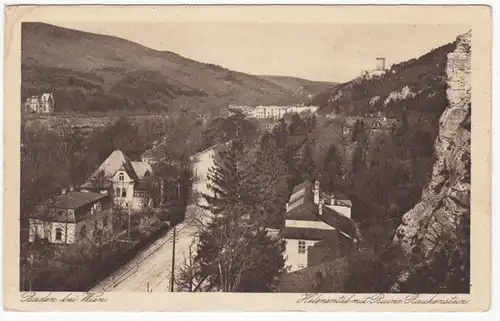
x=128, y=231
x=174, y=236
x=173, y=263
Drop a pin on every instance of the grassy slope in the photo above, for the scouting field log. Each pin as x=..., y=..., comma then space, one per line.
x=97, y=72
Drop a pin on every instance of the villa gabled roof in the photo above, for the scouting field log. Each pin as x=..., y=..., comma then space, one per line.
x=116, y=160
x=141, y=168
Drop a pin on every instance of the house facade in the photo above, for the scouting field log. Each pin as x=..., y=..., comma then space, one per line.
x=40, y=104
x=72, y=217
x=130, y=183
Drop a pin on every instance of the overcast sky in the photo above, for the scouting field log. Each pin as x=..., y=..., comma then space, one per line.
x=328, y=52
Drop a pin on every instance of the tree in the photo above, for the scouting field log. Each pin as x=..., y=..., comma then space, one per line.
x=359, y=134
x=269, y=183
x=332, y=175
x=188, y=274
x=100, y=182
x=236, y=255
x=280, y=133
x=228, y=178
x=232, y=244
x=305, y=162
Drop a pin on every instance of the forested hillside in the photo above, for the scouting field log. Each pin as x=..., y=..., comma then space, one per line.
x=90, y=72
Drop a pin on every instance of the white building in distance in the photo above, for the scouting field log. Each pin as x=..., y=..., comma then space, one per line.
x=278, y=112
x=40, y=104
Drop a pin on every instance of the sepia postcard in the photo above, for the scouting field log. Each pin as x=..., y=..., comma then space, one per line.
x=247, y=158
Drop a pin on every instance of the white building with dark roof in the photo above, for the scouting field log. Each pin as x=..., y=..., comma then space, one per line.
x=310, y=218
x=72, y=217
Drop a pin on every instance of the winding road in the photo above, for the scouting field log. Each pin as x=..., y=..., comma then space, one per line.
x=150, y=270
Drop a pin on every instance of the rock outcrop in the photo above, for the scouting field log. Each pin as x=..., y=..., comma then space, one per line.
x=446, y=199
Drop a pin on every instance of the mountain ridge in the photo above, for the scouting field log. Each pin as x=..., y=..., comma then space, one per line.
x=95, y=72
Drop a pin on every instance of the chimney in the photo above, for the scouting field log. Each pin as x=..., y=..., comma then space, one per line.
x=316, y=192
x=63, y=191
x=71, y=188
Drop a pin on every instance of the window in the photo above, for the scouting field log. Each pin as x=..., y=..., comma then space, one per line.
x=147, y=173
x=124, y=192
x=105, y=222
x=121, y=177
x=118, y=192
x=302, y=247
x=58, y=234
x=83, y=232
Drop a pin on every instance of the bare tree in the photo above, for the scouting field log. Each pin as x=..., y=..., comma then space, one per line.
x=188, y=278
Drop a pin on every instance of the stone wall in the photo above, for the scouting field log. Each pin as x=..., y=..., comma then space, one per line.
x=447, y=197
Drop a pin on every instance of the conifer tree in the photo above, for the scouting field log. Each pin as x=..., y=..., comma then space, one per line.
x=269, y=182
x=228, y=178
x=332, y=175
x=233, y=247
x=280, y=132
x=305, y=162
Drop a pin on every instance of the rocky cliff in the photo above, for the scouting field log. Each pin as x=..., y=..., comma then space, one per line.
x=446, y=199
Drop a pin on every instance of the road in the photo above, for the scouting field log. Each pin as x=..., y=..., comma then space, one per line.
x=150, y=270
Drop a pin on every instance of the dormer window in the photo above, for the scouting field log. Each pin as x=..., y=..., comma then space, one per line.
x=121, y=177
x=147, y=173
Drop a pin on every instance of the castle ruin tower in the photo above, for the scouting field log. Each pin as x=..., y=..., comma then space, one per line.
x=380, y=64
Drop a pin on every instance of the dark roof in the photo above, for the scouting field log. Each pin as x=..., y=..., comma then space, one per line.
x=306, y=184
x=302, y=207
x=339, y=221
x=334, y=275
x=96, y=184
x=305, y=211
x=73, y=200
x=308, y=196
x=301, y=233
x=129, y=169
x=309, y=212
